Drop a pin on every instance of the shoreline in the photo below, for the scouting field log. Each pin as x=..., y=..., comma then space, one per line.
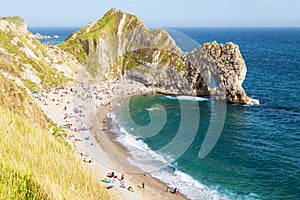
x=153, y=186
x=93, y=141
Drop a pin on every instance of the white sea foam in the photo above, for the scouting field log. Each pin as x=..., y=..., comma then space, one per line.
x=187, y=185
x=153, y=108
x=158, y=166
x=191, y=98
x=143, y=157
x=168, y=97
x=186, y=98
x=253, y=102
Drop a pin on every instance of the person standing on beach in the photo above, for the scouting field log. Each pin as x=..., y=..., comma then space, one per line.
x=122, y=181
x=175, y=191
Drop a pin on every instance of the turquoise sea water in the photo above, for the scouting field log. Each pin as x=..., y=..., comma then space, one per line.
x=258, y=153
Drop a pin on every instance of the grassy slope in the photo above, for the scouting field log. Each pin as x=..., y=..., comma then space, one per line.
x=76, y=47
x=49, y=76
x=35, y=160
x=83, y=45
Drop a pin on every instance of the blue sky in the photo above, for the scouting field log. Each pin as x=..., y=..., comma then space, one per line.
x=158, y=13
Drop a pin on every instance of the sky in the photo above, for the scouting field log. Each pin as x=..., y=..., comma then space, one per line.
x=158, y=13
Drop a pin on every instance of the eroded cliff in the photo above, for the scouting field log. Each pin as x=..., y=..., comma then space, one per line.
x=119, y=45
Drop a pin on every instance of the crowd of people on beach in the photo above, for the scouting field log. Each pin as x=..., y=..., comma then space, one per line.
x=74, y=106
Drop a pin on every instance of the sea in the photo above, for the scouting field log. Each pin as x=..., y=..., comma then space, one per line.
x=214, y=150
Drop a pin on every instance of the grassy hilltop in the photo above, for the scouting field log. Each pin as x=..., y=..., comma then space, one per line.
x=119, y=42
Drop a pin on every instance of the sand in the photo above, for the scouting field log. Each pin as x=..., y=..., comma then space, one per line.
x=82, y=111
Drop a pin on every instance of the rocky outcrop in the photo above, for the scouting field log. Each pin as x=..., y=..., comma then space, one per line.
x=36, y=65
x=19, y=24
x=226, y=64
x=119, y=45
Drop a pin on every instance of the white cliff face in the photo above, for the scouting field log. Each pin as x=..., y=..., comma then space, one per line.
x=119, y=35
x=90, y=26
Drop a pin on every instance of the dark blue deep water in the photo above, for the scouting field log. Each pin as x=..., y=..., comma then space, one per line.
x=257, y=155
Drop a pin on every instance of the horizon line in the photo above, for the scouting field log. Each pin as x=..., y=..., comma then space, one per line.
x=151, y=27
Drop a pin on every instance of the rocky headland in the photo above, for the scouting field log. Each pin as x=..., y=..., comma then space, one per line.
x=119, y=45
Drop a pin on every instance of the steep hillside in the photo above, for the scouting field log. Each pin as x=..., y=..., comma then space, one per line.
x=119, y=45
x=102, y=46
x=35, y=160
x=25, y=58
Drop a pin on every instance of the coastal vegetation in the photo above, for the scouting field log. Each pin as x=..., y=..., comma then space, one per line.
x=119, y=45
x=16, y=61
x=115, y=31
x=36, y=161
x=80, y=43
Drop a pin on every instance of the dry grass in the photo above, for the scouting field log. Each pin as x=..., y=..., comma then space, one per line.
x=34, y=164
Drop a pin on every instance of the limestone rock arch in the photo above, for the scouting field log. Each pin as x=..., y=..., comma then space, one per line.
x=227, y=66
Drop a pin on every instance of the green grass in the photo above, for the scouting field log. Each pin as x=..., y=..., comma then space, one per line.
x=9, y=67
x=37, y=164
x=50, y=77
x=30, y=85
x=16, y=99
x=5, y=42
x=75, y=47
x=134, y=59
x=35, y=161
x=85, y=43
x=40, y=46
x=106, y=27
x=17, y=185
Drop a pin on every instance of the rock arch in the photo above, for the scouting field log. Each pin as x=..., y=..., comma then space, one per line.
x=227, y=67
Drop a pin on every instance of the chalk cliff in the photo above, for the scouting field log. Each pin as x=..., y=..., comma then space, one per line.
x=119, y=45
